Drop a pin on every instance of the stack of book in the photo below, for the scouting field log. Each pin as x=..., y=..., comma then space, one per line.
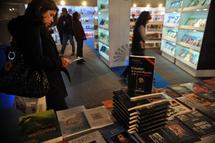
x=142, y=113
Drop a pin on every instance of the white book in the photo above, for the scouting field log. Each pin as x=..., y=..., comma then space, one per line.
x=78, y=119
x=93, y=137
x=98, y=117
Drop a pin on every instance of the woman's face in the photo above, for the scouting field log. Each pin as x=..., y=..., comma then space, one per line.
x=48, y=17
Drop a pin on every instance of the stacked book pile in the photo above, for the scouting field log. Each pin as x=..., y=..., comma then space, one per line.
x=141, y=113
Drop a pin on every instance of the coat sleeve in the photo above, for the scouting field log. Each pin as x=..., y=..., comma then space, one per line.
x=33, y=51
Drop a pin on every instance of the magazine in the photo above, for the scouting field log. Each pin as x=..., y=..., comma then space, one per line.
x=78, y=119
x=180, y=89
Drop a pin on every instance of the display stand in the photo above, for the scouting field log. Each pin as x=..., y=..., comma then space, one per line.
x=188, y=36
x=113, y=31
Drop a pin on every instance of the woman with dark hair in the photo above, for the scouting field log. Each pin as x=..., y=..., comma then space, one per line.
x=32, y=36
x=139, y=37
x=79, y=36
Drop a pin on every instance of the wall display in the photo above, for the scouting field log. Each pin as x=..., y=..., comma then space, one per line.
x=187, y=37
x=113, y=44
x=153, y=28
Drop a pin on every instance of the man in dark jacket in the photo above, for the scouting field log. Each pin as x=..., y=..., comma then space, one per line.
x=65, y=28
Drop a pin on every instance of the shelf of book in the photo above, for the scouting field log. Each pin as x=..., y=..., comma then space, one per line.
x=112, y=31
x=193, y=32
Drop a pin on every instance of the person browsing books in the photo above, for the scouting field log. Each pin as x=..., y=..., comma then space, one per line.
x=31, y=34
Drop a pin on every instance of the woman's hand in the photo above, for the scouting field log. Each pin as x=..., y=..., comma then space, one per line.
x=65, y=61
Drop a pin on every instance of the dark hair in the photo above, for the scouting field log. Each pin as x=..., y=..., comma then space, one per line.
x=37, y=7
x=75, y=15
x=142, y=19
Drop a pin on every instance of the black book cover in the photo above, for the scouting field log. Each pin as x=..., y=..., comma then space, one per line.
x=179, y=133
x=155, y=136
x=141, y=73
x=198, y=122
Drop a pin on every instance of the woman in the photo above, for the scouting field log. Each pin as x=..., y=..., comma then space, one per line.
x=79, y=35
x=139, y=37
x=31, y=34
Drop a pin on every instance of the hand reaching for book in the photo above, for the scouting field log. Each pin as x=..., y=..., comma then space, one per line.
x=65, y=61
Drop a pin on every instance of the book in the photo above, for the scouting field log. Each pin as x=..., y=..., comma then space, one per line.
x=40, y=127
x=117, y=134
x=177, y=108
x=76, y=120
x=198, y=122
x=179, y=133
x=141, y=73
x=180, y=89
x=195, y=87
x=195, y=101
x=169, y=92
x=72, y=121
x=154, y=136
x=93, y=137
x=210, y=83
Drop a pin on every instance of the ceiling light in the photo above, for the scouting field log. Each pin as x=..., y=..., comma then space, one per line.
x=148, y=5
x=134, y=5
x=62, y=2
x=84, y=3
x=160, y=5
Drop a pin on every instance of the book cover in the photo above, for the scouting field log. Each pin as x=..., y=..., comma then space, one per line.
x=40, y=127
x=179, y=133
x=141, y=73
x=73, y=121
x=195, y=87
x=155, y=136
x=210, y=83
x=177, y=108
x=194, y=101
x=98, y=117
x=118, y=135
x=169, y=92
x=180, y=89
x=93, y=137
x=198, y=122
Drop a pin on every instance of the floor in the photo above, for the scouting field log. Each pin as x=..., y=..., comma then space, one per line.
x=94, y=82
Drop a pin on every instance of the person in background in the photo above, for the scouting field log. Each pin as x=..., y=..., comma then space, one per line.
x=139, y=37
x=65, y=28
x=31, y=34
x=79, y=36
x=139, y=34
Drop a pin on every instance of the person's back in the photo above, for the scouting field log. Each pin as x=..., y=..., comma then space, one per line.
x=65, y=23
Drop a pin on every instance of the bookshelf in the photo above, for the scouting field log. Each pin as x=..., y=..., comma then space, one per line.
x=153, y=28
x=187, y=36
x=113, y=32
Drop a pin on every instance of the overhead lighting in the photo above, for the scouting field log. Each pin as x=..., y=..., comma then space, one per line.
x=148, y=5
x=134, y=5
x=84, y=3
x=62, y=2
x=160, y=5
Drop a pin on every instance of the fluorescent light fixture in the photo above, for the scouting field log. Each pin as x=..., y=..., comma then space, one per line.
x=62, y=2
x=84, y=3
x=134, y=5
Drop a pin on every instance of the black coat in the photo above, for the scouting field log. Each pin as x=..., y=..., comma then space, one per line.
x=39, y=51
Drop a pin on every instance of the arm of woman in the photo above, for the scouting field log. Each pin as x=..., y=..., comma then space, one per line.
x=143, y=36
